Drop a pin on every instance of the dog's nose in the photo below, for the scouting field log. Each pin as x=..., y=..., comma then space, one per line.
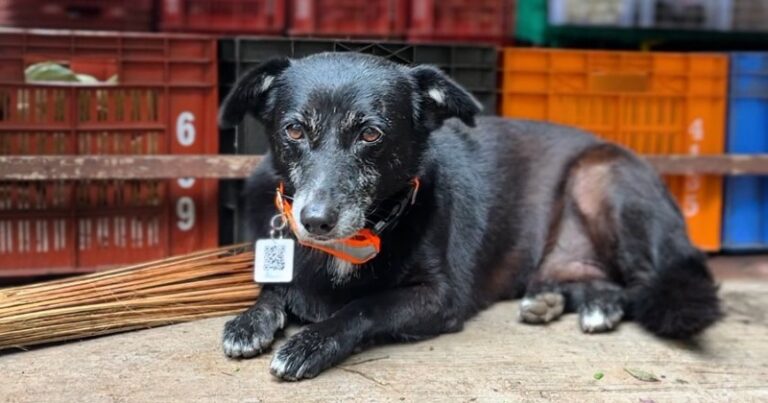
x=319, y=218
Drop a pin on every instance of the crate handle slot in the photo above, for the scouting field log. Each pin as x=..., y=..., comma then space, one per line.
x=620, y=82
x=102, y=68
x=79, y=11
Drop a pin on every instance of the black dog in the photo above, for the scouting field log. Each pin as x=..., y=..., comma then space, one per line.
x=505, y=209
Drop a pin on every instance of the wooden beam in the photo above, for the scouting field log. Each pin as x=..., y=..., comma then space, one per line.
x=30, y=168
x=711, y=164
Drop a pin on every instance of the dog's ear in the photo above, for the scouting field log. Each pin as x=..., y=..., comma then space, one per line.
x=252, y=93
x=441, y=98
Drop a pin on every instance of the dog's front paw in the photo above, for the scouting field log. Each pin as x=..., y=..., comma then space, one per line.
x=252, y=332
x=308, y=353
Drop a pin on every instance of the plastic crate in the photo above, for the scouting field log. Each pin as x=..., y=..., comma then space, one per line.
x=653, y=103
x=745, y=221
x=532, y=22
x=750, y=15
x=265, y=17
x=165, y=103
x=616, y=13
x=349, y=18
x=688, y=14
x=475, y=67
x=462, y=20
x=123, y=15
x=747, y=32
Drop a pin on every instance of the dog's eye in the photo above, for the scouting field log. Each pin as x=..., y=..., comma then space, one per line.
x=295, y=132
x=371, y=135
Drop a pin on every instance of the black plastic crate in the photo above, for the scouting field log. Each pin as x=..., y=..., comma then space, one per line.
x=474, y=67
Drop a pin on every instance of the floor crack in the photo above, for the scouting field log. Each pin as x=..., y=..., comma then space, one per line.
x=364, y=375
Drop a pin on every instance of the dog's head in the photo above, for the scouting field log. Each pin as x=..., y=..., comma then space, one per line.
x=346, y=130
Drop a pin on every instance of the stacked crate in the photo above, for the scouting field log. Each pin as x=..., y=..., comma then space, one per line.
x=745, y=217
x=164, y=101
x=474, y=21
x=123, y=15
x=349, y=18
x=168, y=92
x=631, y=24
x=265, y=17
x=749, y=15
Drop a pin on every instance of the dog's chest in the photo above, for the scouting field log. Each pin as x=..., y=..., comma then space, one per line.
x=317, y=302
x=315, y=295
x=311, y=307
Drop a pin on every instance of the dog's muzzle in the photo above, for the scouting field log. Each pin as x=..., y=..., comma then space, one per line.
x=360, y=247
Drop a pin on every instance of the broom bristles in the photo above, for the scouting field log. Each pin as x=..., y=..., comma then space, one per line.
x=178, y=289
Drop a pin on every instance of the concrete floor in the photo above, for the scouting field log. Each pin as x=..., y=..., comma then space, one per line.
x=494, y=359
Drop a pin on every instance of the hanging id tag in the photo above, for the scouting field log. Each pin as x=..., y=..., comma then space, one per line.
x=273, y=261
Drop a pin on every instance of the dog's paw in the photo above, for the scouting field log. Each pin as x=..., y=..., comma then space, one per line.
x=252, y=332
x=306, y=354
x=594, y=318
x=541, y=308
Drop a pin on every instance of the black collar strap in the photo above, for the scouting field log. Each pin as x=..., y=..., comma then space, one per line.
x=398, y=209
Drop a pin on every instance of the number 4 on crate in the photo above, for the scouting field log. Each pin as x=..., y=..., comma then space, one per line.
x=273, y=261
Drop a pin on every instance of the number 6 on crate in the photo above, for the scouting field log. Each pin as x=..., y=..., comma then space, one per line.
x=185, y=128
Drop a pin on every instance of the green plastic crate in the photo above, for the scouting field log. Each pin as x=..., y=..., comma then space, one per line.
x=532, y=22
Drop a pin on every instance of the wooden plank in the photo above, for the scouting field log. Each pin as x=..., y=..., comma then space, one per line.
x=28, y=168
x=711, y=164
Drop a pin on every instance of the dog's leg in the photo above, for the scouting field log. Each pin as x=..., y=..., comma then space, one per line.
x=571, y=279
x=253, y=331
x=418, y=311
x=669, y=289
x=568, y=260
x=639, y=240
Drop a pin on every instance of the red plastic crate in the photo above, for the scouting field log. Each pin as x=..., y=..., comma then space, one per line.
x=265, y=17
x=349, y=18
x=164, y=103
x=462, y=20
x=123, y=15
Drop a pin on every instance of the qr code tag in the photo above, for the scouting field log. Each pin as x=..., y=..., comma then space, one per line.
x=273, y=261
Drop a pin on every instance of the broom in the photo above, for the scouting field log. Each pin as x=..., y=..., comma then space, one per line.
x=179, y=289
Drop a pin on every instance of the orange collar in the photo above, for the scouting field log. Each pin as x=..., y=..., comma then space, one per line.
x=366, y=243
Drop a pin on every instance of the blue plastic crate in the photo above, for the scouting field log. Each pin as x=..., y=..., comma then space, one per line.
x=745, y=221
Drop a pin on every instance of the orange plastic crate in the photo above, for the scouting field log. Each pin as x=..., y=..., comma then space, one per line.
x=164, y=103
x=653, y=103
